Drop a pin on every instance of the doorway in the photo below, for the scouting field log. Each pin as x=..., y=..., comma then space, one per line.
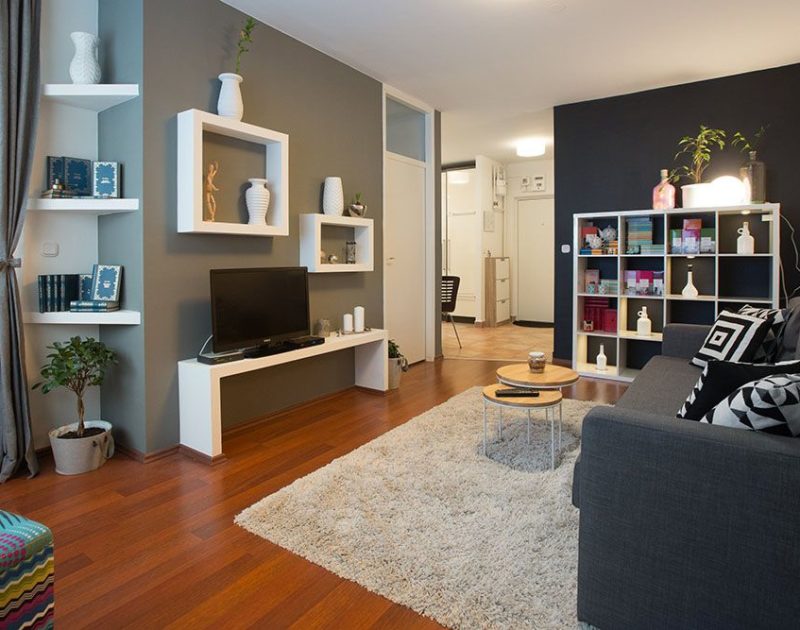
x=535, y=261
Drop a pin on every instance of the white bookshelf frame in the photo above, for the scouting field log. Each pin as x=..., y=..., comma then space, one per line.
x=619, y=339
x=192, y=123
x=311, y=243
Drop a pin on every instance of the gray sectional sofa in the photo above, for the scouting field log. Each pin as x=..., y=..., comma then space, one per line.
x=683, y=524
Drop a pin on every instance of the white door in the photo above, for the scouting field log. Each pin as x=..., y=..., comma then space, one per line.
x=404, y=254
x=535, y=273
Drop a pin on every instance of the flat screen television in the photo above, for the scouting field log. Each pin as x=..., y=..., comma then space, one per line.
x=257, y=307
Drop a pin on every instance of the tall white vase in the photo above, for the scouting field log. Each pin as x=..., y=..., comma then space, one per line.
x=84, y=67
x=257, y=198
x=229, y=103
x=333, y=197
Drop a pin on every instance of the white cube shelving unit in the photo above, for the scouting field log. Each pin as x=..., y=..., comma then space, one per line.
x=311, y=242
x=191, y=125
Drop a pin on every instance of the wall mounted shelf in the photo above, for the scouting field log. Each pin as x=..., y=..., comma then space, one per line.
x=83, y=206
x=96, y=98
x=311, y=238
x=129, y=318
x=192, y=123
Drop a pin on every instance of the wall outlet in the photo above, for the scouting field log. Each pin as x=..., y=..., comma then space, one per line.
x=526, y=181
x=565, y=248
x=538, y=183
x=49, y=249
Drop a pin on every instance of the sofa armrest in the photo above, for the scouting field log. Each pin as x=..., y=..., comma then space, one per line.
x=684, y=525
x=683, y=340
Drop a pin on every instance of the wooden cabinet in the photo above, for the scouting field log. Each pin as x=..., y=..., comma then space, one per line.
x=497, y=291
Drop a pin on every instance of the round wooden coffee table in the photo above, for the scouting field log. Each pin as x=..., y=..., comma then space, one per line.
x=553, y=377
x=547, y=399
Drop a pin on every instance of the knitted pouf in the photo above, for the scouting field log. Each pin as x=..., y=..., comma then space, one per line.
x=26, y=573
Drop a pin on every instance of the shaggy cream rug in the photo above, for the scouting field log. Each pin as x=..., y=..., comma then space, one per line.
x=421, y=517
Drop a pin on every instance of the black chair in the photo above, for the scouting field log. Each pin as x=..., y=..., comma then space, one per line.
x=449, y=296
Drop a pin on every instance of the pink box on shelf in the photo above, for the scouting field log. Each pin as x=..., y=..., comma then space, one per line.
x=610, y=320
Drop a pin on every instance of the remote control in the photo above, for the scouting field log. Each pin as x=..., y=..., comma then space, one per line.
x=516, y=392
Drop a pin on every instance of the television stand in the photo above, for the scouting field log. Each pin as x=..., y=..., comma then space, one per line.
x=199, y=385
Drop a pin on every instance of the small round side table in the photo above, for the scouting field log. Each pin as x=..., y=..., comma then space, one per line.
x=553, y=377
x=549, y=400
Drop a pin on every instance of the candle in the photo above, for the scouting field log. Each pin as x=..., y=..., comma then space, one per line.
x=347, y=323
x=358, y=315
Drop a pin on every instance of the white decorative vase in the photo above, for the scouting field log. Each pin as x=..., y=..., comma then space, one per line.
x=257, y=198
x=697, y=195
x=643, y=325
x=601, y=364
x=745, y=244
x=84, y=67
x=395, y=373
x=333, y=197
x=229, y=103
x=80, y=455
x=690, y=291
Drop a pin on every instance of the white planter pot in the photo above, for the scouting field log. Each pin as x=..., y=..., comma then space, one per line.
x=257, y=198
x=230, y=103
x=395, y=372
x=333, y=197
x=697, y=195
x=80, y=455
x=84, y=67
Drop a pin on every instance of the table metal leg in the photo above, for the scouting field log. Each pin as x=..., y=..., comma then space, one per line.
x=551, y=414
x=484, y=427
x=560, y=424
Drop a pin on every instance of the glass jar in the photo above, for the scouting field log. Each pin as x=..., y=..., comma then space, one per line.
x=350, y=253
x=757, y=174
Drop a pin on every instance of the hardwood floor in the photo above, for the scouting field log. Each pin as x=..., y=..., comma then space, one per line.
x=154, y=545
x=506, y=342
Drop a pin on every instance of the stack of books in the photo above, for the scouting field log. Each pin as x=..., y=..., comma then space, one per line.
x=640, y=234
x=644, y=282
x=598, y=315
x=97, y=292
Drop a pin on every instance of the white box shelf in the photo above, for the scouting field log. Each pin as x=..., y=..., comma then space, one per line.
x=128, y=318
x=311, y=242
x=191, y=177
x=96, y=98
x=83, y=206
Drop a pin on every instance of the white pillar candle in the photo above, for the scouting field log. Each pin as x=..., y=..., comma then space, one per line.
x=358, y=315
x=347, y=322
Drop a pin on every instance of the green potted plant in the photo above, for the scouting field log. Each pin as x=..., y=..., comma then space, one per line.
x=229, y=103
x=698, y=149
x=76, y=365
x=397, y=364
x=358, y=208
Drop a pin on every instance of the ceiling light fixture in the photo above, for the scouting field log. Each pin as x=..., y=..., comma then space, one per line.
x=530, y=147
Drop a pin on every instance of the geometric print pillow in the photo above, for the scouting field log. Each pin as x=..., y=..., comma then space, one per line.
x=768, y=351
x=771, y=404
x=733, y=337
x=719, y=379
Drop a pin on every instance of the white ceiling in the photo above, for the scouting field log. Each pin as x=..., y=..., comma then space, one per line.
x=495, y=68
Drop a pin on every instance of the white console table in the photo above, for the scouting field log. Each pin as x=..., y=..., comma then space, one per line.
x=199, y=384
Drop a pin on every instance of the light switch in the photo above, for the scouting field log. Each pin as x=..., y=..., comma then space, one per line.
x=565, y=248
x=49, y=249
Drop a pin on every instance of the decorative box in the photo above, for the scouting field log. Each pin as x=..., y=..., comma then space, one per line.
x=610, y=320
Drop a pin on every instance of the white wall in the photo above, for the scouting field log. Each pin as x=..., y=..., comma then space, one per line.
x=62, y=131
x=515, y=171
x=493, y=240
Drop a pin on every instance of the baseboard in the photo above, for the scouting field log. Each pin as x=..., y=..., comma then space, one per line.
x=562, y=362
x=460, y=319
x=200, y=457
x=146, y=458
x=524, y=323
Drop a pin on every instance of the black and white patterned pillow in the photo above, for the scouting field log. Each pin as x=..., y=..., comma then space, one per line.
x=768, y=352
x=721, y=378
x=771, y=404
x=733, y=337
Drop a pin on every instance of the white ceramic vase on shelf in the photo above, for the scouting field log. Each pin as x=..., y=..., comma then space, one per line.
x=697, y=195
x=257, y=198
x=333, y=197
x=229, y=103
x=690, y=291
x=644, y=326
x=745, y=244
x=602, y=360
x=84, y=68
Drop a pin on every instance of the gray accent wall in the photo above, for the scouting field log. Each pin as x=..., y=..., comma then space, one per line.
x=332, y=114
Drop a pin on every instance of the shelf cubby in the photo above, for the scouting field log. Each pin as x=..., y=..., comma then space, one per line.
x=761, y=229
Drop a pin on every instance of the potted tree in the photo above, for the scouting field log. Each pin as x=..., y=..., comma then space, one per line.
x=698, y=149
x=76, y=365
x=397, y=364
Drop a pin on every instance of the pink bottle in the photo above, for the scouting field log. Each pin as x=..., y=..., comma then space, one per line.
x=664, y=193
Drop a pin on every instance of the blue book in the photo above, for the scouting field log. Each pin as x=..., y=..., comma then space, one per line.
x=106, y=282
x=105, y=179
x=78, y=176
x=86, y=286
x=55, y=171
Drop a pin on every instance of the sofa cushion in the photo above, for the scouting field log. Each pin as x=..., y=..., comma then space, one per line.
x=733, y=337
x=768, y=351
x=661, y=387
x=721, y=378
x=770, y=404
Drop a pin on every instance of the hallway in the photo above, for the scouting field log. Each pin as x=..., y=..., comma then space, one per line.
x=506, y=342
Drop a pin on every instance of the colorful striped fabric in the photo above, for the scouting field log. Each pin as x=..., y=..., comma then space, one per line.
x=26, y=573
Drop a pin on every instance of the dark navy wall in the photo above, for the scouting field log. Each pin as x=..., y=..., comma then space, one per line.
x=608, y=153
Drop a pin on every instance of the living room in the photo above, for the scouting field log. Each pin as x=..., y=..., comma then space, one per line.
x=221, y=253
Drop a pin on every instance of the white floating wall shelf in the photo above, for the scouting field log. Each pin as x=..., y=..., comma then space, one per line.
x=311, y=226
